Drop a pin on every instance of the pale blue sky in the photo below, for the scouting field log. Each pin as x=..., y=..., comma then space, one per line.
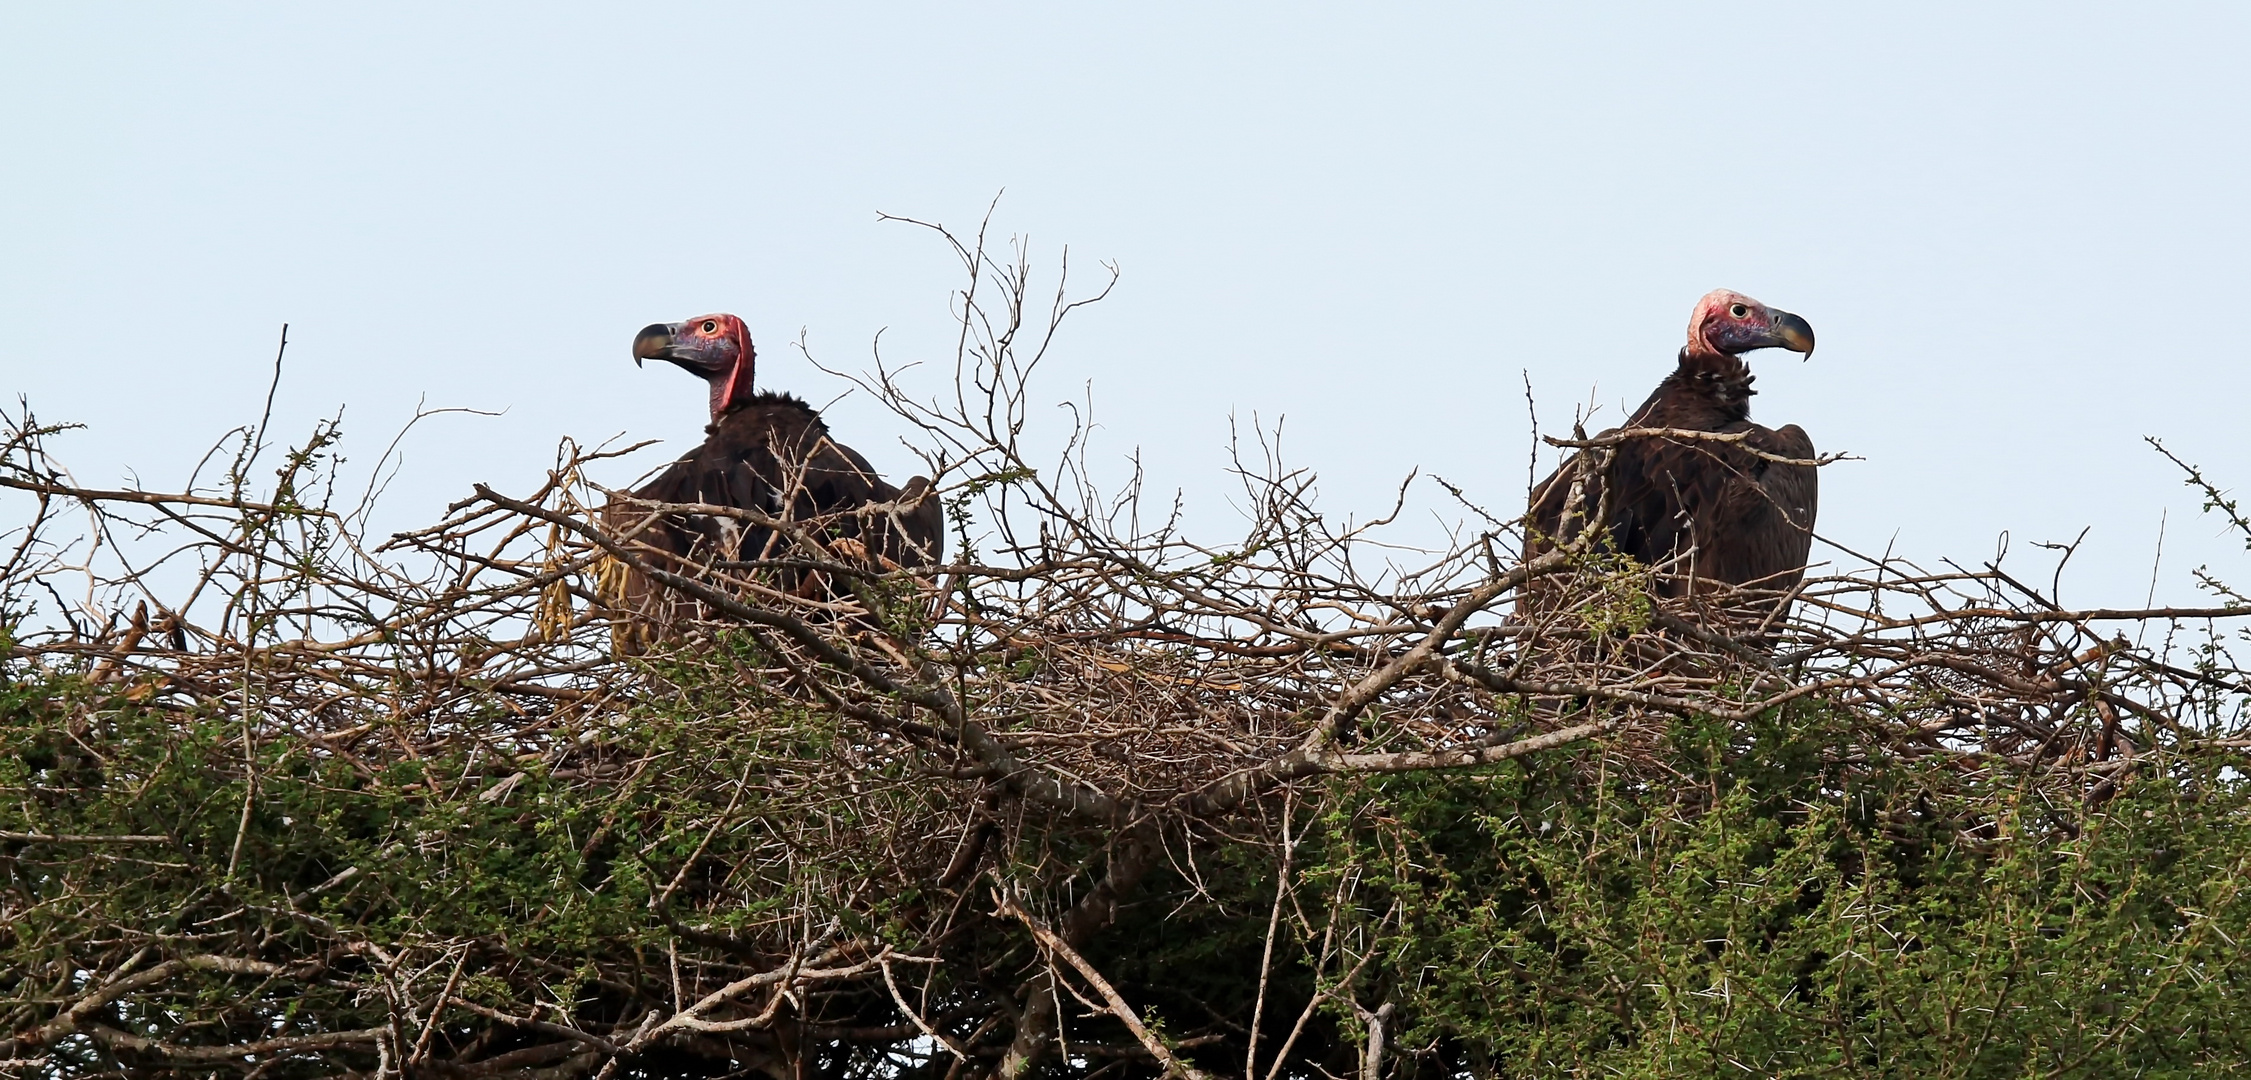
x=2020, y=231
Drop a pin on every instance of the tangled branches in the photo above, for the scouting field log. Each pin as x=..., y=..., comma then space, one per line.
x=1094, y=797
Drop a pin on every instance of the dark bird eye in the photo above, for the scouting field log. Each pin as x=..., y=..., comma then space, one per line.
x=1736, y=310
x=710, y=326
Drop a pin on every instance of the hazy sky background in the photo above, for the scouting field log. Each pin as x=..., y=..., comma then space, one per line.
x=2020, y=232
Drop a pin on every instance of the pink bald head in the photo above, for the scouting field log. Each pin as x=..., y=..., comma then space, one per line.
x=715, y=347
x=1728, y=323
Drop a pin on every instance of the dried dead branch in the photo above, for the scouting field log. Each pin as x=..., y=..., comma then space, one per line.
x=802, y=801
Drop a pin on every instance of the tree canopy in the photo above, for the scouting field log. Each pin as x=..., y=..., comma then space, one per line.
x=1095, y=799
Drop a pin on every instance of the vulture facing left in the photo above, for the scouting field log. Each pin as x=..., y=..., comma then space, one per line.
x=1739, y=513
x=763, y=451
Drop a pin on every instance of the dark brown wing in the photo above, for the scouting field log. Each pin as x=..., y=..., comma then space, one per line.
x=1762, y=525
x=777, y=457
x=1654, y=489
x=640, y=611
x=774, y=456
x=1730, y=514
x=1564, y=489
x=905, y=526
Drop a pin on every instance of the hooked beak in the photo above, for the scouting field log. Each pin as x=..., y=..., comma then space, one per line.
x=1793, y=333
x=654, y=342
x=662, y=341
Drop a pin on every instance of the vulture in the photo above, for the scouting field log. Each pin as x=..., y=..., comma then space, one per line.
x=1738, y=512
x=763, y=451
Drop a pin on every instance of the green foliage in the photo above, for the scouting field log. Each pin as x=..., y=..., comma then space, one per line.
x=1721, y=899
x=560, y=866
x=1749, y=905
x=356, y=827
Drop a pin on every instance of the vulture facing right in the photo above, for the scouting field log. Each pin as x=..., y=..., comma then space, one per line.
x=1740, y=513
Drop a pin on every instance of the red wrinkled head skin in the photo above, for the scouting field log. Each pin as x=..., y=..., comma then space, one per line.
x=1728, y=323
x=715, y=347
x=727, y=335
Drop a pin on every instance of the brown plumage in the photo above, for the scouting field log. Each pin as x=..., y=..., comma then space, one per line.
x=1704, y=511
x=764, y=452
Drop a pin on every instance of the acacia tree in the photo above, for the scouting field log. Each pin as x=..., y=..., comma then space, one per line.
x=1097, y=798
